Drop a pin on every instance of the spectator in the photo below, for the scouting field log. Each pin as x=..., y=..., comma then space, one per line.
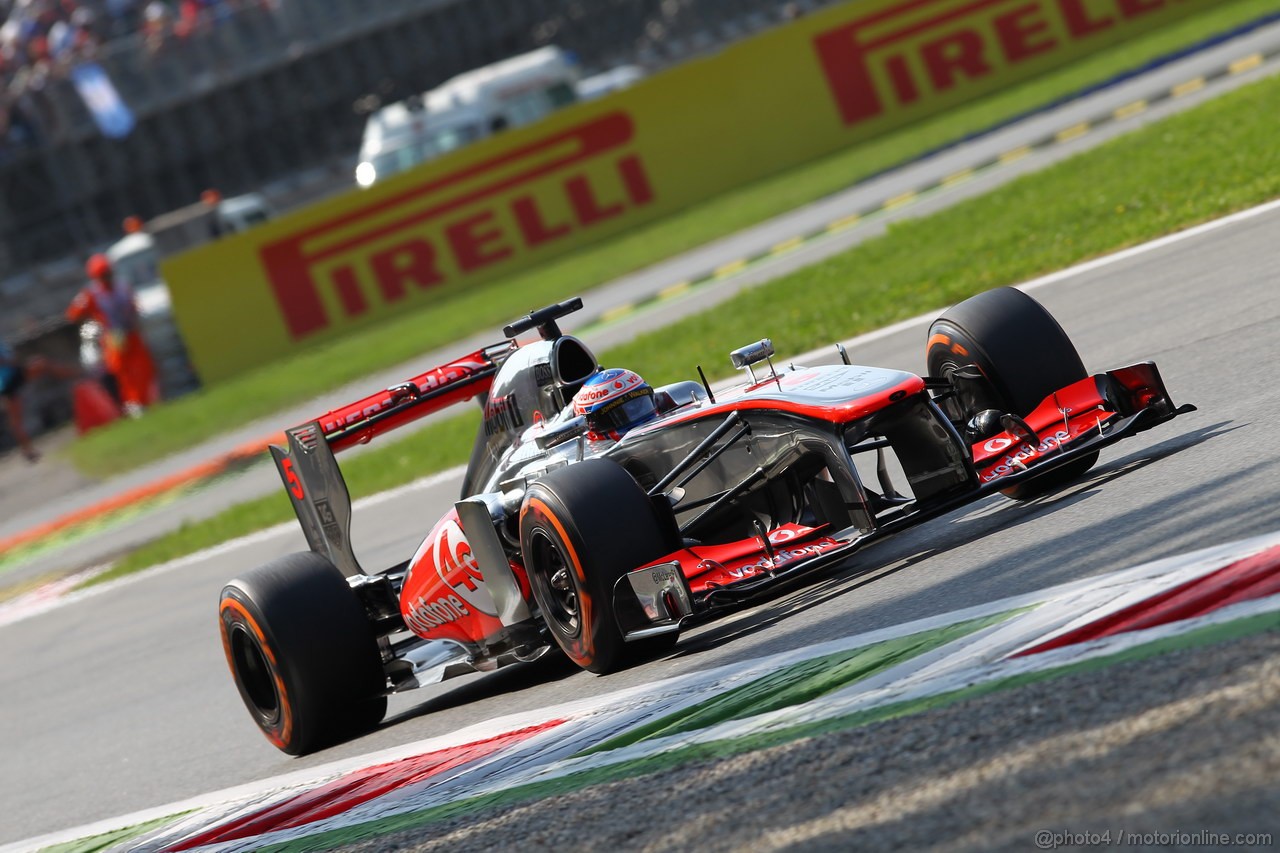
x=122, y=16
x=157, y=22
x=189, y=18
x=125, y=355
x=14, y=373
x=39, y=39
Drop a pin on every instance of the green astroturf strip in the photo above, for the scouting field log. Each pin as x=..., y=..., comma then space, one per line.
x=799, y=683
x=721, y=750
x=1191, y=167
x=108, y=840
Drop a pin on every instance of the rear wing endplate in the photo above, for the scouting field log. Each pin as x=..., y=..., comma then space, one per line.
x=319, y=495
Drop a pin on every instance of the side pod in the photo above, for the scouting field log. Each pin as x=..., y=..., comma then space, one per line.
x=477, y=520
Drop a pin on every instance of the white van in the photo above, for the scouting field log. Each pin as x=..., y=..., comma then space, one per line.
x=607, y=82
x=479, y=103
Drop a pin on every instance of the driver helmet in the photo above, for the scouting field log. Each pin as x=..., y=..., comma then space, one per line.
x=614, y=401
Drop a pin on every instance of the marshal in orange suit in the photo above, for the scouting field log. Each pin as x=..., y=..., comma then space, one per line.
x=125, y=355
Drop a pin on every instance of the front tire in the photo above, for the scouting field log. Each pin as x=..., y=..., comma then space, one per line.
x=1023, y=355
x=302, y=653
x=581, y=529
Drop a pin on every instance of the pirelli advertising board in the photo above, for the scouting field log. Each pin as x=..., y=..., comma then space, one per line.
x=791, y=94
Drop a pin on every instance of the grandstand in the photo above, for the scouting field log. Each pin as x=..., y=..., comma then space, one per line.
x=264, y=95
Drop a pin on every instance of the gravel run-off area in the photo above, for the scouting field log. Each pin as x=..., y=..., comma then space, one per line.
x=1151, y=751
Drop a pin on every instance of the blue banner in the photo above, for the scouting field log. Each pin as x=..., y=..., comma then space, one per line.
x=109, y=111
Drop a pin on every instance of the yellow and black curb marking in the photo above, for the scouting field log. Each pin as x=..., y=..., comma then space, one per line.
x=1067, y=134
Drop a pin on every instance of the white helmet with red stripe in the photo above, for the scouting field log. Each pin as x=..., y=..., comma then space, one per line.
x=614, y=401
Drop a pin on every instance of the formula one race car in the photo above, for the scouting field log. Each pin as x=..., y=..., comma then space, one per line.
x=600, y=515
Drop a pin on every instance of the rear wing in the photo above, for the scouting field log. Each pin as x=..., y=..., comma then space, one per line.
x=424, y=394
x=310, y=472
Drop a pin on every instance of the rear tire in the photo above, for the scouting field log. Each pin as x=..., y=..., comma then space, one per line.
x=1023, y=354
x=302, y=653
x=581, y=529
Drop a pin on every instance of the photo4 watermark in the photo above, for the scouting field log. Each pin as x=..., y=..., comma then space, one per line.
x=1055, y=839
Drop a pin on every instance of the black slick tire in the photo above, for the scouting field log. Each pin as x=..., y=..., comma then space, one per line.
x=581, y=529
x=302, y=653
x=1024, y=355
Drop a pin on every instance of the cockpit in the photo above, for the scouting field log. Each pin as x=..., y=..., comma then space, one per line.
x=534, y=385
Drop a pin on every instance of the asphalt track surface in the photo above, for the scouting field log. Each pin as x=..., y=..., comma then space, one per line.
x=22, y=508
x=120, y=700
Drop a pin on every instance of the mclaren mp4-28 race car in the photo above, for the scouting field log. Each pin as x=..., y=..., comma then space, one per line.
x=599, y=515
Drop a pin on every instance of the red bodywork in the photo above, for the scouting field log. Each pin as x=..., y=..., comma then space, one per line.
x=710, y=566
x=1070, y=414
x=445, y=596
x=807, y=393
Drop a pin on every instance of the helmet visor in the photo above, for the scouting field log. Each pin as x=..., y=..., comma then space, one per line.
x=625, y=413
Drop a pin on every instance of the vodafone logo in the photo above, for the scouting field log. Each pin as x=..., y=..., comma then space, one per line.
x=1017, y=461
x=609, y=385
x=593, y=395
x=995, y=445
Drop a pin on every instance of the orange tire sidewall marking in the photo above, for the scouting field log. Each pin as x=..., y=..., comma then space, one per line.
x=588, y=653
x=286, y=711
x=942, y=340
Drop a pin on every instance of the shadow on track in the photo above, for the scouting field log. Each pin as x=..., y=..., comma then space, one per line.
x=510, y=679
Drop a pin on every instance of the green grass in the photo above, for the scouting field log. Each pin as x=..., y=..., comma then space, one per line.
x=1194, y=166
x=462, y=310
